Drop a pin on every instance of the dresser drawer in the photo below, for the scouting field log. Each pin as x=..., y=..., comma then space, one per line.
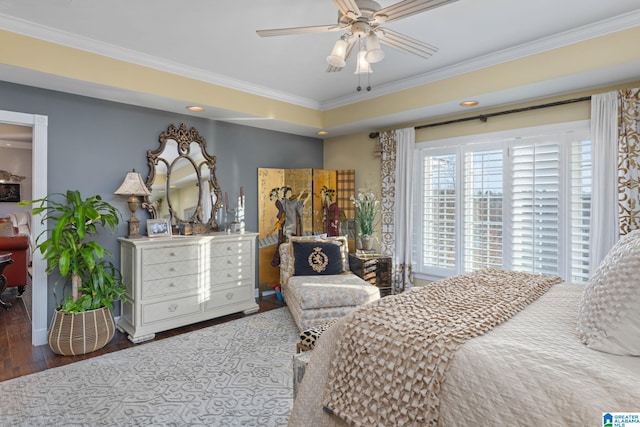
x=170, y=309
x=170, y=285
x=232, y=275
x=230, y=261
x=238, y=294
x=230, y=248
x=163, y=255
x=170, y=269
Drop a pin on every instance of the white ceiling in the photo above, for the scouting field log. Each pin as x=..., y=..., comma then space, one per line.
x=215, y=41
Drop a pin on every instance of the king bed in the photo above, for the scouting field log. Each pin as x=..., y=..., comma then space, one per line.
x=532, y=350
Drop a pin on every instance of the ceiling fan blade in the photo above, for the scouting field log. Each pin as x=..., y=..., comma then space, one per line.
x=405, y=43
x=297, y=30
x=352, y=43
x=348, y=8
x=407, y=8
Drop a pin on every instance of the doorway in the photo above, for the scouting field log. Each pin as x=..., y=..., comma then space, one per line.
x=39, y=285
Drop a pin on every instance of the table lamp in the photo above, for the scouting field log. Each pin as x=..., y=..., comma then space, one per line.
x=133, y=186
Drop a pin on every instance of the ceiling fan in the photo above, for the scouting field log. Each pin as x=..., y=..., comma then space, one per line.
x=361, y=20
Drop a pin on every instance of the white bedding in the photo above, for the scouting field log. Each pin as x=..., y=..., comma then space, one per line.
x=529, y=371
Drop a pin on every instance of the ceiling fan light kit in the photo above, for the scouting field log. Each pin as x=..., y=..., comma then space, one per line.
x=374, y=52
x=338, y=54
x=362, y=65
x=362, y=19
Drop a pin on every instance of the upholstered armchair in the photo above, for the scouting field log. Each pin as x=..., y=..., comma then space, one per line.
x=316, y=298
x=17, y=245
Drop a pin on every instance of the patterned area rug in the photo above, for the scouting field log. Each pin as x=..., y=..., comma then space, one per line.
x=234, y=374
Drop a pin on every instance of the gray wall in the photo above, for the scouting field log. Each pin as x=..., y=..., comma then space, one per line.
x=92, y=144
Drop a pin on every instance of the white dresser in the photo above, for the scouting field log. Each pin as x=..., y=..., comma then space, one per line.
x=179, y=280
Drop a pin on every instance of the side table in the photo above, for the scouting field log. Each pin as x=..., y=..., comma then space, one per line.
x=374, y=269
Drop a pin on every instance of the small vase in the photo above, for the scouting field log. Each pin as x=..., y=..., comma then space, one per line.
x=366, y=242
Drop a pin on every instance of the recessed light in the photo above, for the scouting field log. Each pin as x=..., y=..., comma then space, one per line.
x=322, y=133
x=469, y=103
x=195, y=108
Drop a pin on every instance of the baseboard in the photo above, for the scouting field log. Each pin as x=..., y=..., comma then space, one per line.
x=39, y=337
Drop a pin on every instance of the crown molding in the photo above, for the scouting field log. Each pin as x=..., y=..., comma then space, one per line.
x=74, y=41
x=598, y=29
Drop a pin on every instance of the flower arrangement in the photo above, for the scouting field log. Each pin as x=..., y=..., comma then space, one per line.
x=367, y=208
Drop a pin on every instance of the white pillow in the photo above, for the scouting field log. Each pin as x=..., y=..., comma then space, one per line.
x=609, y=312
x=22, y=221
x=6, y=229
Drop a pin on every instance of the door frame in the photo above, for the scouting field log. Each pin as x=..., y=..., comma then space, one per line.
x=39, y=284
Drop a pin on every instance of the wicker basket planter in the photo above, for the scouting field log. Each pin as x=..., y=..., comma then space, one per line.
x=79, y=333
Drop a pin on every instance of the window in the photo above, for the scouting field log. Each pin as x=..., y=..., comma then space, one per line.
x=483, y=209
x=439, y=214
x=518, y=202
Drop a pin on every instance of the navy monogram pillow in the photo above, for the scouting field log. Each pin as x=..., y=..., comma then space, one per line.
x=311, y=258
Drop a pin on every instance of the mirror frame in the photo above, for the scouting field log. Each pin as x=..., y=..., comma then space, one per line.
x=184, y=139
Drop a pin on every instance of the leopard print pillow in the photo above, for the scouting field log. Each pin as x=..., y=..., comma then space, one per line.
x=309, y=337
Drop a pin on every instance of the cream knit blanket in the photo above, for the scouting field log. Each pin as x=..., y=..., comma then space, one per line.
x=393, y=354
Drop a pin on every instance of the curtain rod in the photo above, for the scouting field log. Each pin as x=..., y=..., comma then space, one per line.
x=484, y=117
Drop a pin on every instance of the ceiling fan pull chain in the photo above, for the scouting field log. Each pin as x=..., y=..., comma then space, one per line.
x=359, y=88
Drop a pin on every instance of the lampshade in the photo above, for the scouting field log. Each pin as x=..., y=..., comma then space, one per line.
x=362, y=66
x=338, y=54
x=374, y=53
x=133, y=185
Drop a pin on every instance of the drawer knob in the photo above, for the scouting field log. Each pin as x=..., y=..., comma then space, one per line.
x=173, y=254
x=173, y=307
x=229, y=248
x=172, y=285
x=229, y=261
x=229, y=295
x=172, y=269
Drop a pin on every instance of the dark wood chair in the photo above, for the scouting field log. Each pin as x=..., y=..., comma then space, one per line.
x=5, y=260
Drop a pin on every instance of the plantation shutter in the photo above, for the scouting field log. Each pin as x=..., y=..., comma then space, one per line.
x=517, y=202
x=580, y=160
x=483, y=209
x=535, y=216
x=439, y=209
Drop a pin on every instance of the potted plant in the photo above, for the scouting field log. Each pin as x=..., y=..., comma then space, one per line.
x=83, y=321
x=367, y=207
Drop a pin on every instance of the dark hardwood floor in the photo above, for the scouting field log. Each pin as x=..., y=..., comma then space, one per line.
x=18, y=357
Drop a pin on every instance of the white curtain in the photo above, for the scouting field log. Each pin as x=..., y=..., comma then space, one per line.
x=615, y=130
x=398, y=148
x=604, y=197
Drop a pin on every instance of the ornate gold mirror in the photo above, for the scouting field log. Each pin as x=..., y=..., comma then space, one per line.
x=182, y=180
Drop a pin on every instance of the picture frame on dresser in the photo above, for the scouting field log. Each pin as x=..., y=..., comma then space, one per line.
x=158, y=227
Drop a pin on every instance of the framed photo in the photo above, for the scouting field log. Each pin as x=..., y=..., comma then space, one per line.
x=9, y=192
x=158, y=227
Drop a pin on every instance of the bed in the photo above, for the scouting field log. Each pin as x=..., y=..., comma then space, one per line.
x=540, y=364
